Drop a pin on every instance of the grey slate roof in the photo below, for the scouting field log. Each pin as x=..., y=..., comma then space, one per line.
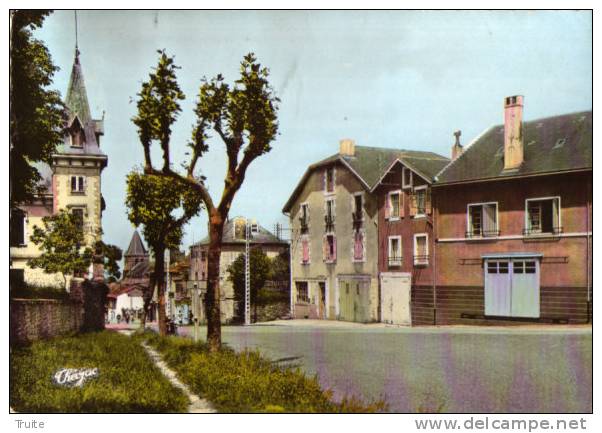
x=79, y=111
x=551, y=145
x=369, y=164
x=136, y=247
x=263, y=236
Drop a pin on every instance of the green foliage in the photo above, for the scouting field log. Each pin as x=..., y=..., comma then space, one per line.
x=37, y=114
x=153, y=202
x=62, y=244
x=64, y=251
x=280, y=268
x=109, y=256
x=128, y=381
x=260, y=271
x=247, y=382
x=30, y=291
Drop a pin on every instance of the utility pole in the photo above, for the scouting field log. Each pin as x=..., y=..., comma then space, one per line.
x=247, y=274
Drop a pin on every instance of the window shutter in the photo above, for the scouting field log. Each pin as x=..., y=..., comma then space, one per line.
x=387, y=206
x=73, y=183
x=401, y=204
x=325, y=248
x=413, y=205
x=427, y=201
x=555, y=214
x=305, y=246
x=334, y=248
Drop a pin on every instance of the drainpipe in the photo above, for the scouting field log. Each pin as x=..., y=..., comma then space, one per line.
x=588, y=261
x=434, y=210
x=290, y=267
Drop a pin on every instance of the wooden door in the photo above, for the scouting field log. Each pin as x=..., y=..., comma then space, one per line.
x=525, y=288
x=498, y=288
x=395, y=299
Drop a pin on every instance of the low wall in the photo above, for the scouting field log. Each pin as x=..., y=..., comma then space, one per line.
x=35, y=319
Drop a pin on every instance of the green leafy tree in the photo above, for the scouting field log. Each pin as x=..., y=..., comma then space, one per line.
x=281, y=267
x=260, y=270
x=37, y=114
x=162, y=206
x=64, y=250
x=242, y=115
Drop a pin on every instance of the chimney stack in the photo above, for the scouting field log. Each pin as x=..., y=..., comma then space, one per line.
x=347, y=147
x=457, y=147
x=513, y=132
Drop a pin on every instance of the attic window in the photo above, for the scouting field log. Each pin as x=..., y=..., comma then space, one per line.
x=76, y=135
x=254, y=228
x=539, y=125
x=559, y=143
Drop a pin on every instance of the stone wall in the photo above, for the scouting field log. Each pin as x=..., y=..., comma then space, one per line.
x=35, y=319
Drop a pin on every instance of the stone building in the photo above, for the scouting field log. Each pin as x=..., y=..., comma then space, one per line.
x=233, y=244
x=72, y=181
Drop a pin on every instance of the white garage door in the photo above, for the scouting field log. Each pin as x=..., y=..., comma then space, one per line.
x=395, y=298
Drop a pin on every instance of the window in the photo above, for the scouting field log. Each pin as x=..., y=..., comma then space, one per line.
x=18, y=225
x=330, y=214
x=497, y=267
x=196, y=275
x=395, y=252
x=543, y=216
x=358, y=208
x=330, y=248
x=203, y=256
x=304, y=217
x=421, y=250
x=304, y=250
x=406, y=181
x=302, y=291
x=329, y=180
x=78, y=184
x=76, y=135
x=393, y=205
x=254, y=228
x=482, y=220
x=420, y=204
x=358, y=246
x=524, y=267
x=78, y=213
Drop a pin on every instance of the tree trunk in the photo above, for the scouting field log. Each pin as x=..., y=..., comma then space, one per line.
x=147, y=297
x=160, y=280
x=212, y=297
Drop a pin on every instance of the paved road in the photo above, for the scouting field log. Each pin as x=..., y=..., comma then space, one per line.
x=438, y=369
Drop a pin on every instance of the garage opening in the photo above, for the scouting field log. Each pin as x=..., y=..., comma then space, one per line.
x=512, y=286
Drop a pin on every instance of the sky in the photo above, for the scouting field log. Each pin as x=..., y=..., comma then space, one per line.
x=398, y=79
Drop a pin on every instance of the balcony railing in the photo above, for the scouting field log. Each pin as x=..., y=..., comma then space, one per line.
x=421, y=260
x=329, y=222
x=395, y=261
x=538, y=232
x=357, y=220
x=303, y=223
x=479, y=234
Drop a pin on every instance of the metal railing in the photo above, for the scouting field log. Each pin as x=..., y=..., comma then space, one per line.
x=421, y=260
x=395, y=261
x=555, y=231
x=329, y=222
x=479, y=234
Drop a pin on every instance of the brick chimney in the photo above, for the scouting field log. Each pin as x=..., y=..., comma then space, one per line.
x=457, y=147
x=513, y=132
x=347, y=147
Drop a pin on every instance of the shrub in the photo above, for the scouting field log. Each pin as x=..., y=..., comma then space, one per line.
x=128, y=381
x=248, y=382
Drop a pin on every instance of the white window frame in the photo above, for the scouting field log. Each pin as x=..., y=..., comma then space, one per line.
x=333, y=208
x=541, y=199
x=391, y=263
x=77, y=178
x=389, y=194
x=334, y=239
x=497, y=219
x=421, y=261
x=404, y=185
x=420, y=188
x=297, y=301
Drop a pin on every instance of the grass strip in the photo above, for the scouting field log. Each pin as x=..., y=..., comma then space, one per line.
x=128, y=381
x=247, y=382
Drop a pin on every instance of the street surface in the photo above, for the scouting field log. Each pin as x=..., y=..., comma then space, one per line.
x=435, y=369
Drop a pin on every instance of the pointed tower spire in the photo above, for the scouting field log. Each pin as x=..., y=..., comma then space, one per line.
x=77, y=98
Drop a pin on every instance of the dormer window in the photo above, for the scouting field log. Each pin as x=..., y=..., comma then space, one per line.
x=76, y=134
x=406, y=180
